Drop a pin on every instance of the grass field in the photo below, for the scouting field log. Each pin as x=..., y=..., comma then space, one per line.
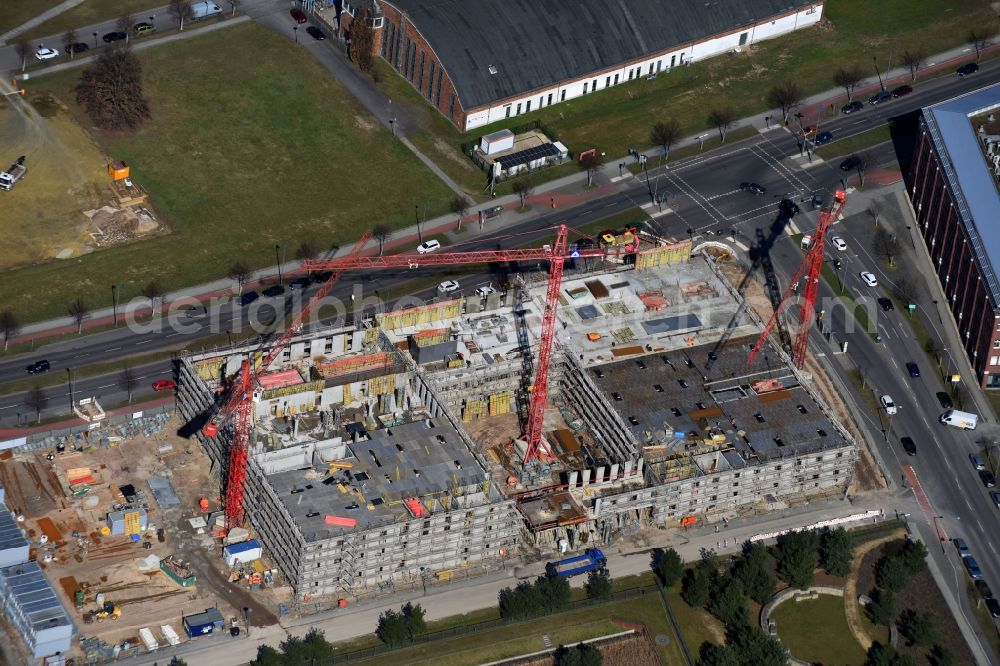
x=16, y=12
x=816, y=631
x=93, y=11
x=619, y=118
x=853, y=144
x=242, y=154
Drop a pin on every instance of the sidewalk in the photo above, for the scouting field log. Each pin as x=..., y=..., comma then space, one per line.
x=562, y=192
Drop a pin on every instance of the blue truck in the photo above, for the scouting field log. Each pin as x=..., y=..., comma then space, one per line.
x=591, y=559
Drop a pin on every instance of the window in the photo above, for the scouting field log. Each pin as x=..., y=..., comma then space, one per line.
x=659, y=66
x=420, y=78
x=607, y=82
x=430, y=81
x=437, y=92
x=673, y=60
x=996, y=344
x=528, y=109
x=550, y=99
x=585, y=88
x=743, y=38
x=518, y=112
x=994, y=360
x=630, y=75
x=682, y=57
x=593, y=85
x=451, y=107
x=616, y=79
x=562, y=96
x=650, y=68
x=413, y=61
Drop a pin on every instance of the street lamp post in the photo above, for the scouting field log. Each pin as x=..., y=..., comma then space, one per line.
x=69, y=373
x=416, y=218
x=878, y=73
x=114, y=303
x=279, y=254
x=295, y=29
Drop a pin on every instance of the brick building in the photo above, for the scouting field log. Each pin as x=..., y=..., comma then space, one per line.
x=480, y=61
x=957, y=205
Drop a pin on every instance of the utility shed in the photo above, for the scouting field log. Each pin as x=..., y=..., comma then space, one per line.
x=241, y=553
x=203, y=624
x=32, y=606
x=497, y=142
x=127, y=522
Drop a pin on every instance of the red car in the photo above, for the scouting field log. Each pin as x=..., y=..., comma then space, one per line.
x=164, y=385
x=298, y=15
x=902, y=90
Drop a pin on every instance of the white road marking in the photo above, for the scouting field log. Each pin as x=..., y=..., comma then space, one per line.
x=112, y=349
x=143, y=342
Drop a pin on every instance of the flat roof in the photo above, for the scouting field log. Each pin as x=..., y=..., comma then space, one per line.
x=681, y=391
x=10, y=531
x=34, y=596
x=968, y=174
x=394, y=464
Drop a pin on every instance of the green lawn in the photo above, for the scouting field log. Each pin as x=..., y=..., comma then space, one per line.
x=16, y=12
x=697, y=624
x=816, y=631
x=619, y=118
x=89, y=12
x=853, y=144
x=242, y=154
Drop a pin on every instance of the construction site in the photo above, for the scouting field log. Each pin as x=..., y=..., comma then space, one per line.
x=477, y=432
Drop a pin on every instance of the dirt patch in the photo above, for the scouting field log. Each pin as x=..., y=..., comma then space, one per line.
x=50, y=530
x=364, y=123
x=851, y=587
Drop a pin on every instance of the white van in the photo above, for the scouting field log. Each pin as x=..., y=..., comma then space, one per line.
x=964, y=420
x=200, y=10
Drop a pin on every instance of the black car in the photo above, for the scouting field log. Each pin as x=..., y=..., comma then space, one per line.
x=320, y=278
x=968, y=68
x=116, y=36
x=38, y=366
x=886, y=304
x=984, y=590
x=908, y=446
x=851, y=162
x=993, y=606
x=315, y=32
x=879, y=97
x=788, y=208
x=753, y=188
x=249, y=297
x=78, y=47
x=852, y=107
x=274, y=290
x=913, y=369
x=944, y=400
x=298, y=283
x=986, y=476
x=823, y=137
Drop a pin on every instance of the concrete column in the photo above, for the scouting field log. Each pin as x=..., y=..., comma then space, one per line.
x=614, y=471
x=628, y=468
x=599, y=474
x=586, y=477
x=638, y=465
x=572, y=478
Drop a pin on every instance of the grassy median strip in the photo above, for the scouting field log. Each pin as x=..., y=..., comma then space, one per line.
x=856, y=143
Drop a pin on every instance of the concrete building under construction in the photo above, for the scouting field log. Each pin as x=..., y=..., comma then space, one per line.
x=390, y=452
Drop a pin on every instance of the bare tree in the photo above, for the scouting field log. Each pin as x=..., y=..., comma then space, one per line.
x=934, y=349
x=23, y=50
x=460, y=207
x=885, y=245
x=306, y=250
x=848, y=78
x=862, y=166
x=914, y=60
x=78, y=311
x=180, y=10
x=784, y=96
x=362, y=37
x=127, y=381
x=111, y=91
x=125, y=24
x=381, y=232
x=69, y=39
x=591, y=164
x=233, y=4
x=907, y=292
x=665, y=134
x=979, y=38
x=37, y=400
x=9, y=326
x=154, y=292
x=522, y=188
x=875, y=210
x=722, y=119
x=240, y=273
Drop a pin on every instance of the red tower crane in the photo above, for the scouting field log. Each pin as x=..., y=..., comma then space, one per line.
x=813, y=262
x=237, y=401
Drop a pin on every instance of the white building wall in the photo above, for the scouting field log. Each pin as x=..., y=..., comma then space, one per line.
x=661, y=62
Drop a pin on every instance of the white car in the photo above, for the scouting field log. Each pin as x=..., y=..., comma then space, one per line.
x=447, y=287
x=869, y=279
x=839, y=243
x=45, y=53
x=428, y=246
x=486, y=291
x=887, y=404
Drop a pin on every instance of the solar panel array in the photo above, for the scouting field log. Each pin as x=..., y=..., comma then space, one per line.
x=527, y=156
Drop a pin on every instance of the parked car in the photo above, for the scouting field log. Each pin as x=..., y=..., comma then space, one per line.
x=299, y=283
x=962, y=547
x=320, y=278
x=901, y=90
x=486, y=291
x=191, y=311
x=249, y=297
x=851, y=162
x=448, y=286
x=115, y=36
x=993, y=606
x=986, y=476
x=944, y=400
x=868, y=278
x=976, y=461
x=972, y=567
x=38, y=367
x=77, y=47
x=879, y=97
x=913, y=369
x=839, y=243
x=968, y=68
x=886, y=304
x=315, y=33
x=298, y=15
x=853, y=107
x=984, y=589
x=823, y=137
x=274, y=290
x=143, y=28
x=995, y=496
x=909, y=446
x=45, y=53
x=888, y=405
x=753, y=188
x=429, y=246
x=164, y=385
